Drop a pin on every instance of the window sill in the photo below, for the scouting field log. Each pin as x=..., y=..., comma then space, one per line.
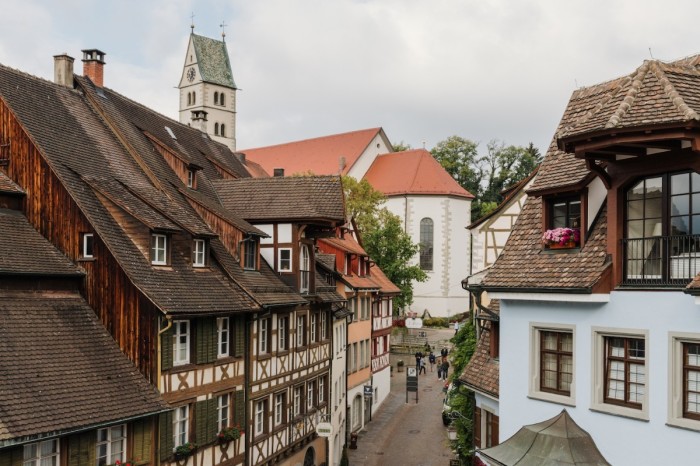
x=684, y=423
x=226, y=359
x=87, y=259
x=182, y=367
x=264, y=356
x=553, y=398
x=621, y=411
x=283, y=352
x=574, y=250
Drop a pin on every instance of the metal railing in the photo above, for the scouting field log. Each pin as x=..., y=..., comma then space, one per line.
x=661, y=261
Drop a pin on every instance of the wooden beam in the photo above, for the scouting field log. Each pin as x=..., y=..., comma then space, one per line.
x=600, y=171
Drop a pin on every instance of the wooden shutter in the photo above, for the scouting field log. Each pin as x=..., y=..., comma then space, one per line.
x=205, y=421
x=166, y=349
x=166, y=435
x=239, y=410
x=142, y=443
x=206, y=340
x=12, y=457
x=81, y=448
x=494, y=430
x=239, y=337
x=477, y=427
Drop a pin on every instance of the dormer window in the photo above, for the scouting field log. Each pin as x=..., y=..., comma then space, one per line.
x=87, y=249
x=563, y=220
x=191, y=176
x=159, y=249
x=199, y=253
x=250, y=254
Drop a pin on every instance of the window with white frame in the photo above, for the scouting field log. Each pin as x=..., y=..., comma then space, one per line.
x=88, y=246
x=313, y=328
x=284, y=263
x=324, y=326
x=264, y=336
x=301, y=330
x=552, y=363
x=190, y=178
x=282, y=333
x=181, y=342
x=620, y=372
x=310, y=391
x=260, y=417
x=44, y=453
x=181, y=425
x=223, y=408
x=684, y=383
x=199, y=253
x=304, y=269
x=250, y=254
x=322, y=390
x=222, y=339
x=298, y=395
x=159, y=249
x=280, y=408
x=111, y=445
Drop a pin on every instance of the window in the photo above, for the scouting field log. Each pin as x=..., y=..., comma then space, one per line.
x=297, y=400
x=250, y=254
x=365, y=307
x=304, y=261
x=310, y=391
x=684, y=383
x=284, y=263
x=321, y=390
x=222, y=99
x=199, y=253
x=159, y=249
x=181, y=426
x=222, y=332
x=194, y=97
x=352, y=305
x=551, y=362
x=620, y=373
x=223, y=404
x=324, y=326
x=280, y=408
x=181, y=342
x=662, y=222
x=44, y=453
x=264, y=336
x=565, y=213
x=282, y=333
x=301, y=331
x=111, y=445
x=216, y=98
x=223, y=130
x=260, y=417
x=216, y=129
x=189, y=99
x=313, y=328
x=190, y=178
x=426, y=244
x=88, y=246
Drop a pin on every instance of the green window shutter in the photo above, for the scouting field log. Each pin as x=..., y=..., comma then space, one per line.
x=206, y=340
x=166, y=349
x=239, y=410
x=141, y=431
x=81, y=448
x=239, y=332
x=166, y=435
x=200, y=417
x=213, y=419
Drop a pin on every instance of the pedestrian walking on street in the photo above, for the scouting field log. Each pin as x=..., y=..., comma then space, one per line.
x=422, y=366
x=445, y=368
x=431, y=359
x=419, y=355
x=443, y=353
x=439, y=371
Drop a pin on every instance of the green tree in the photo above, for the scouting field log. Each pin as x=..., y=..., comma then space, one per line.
x=392, y=249
x=462, y=401
x=362, y=202
x=460, y=158
x=401, y=146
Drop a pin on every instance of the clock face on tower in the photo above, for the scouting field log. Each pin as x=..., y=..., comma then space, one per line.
x=190, y=74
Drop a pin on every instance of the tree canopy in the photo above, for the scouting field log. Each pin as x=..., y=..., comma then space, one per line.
x=485, y=176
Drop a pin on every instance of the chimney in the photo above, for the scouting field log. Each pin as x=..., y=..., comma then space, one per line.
x=278, y=172
x=240, y=156
x=93, y=66
x=341, y=164
x=63, y=70
x=199, y=120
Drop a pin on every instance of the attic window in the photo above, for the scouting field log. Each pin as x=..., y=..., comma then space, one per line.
x=191, y=178
x=170, y=132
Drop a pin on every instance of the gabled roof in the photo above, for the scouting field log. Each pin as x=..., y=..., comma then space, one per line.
x=345, y=244
x=412, y=172
x=7, y=186
x=327, y=155
x=23, y=251
x=212, y=61
x=284, y=198
x=386, y=286
x=62, y=371
x=482, y=371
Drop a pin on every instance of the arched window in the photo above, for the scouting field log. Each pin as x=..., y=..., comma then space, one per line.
x=222, y=130
x=189, y=99
x=194, y=98
x=310, y=457
x=426, y=244
x=222, y=101
x=216, y=98
x=216, y=129
x=304, y=262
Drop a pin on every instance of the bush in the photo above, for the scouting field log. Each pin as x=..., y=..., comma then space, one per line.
x=435, y=322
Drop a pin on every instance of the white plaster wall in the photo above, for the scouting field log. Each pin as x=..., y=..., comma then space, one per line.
x=339, y=411
x=622, y=440
x=487, y=403
x=364, y=161
x=442, y=293
x=596, y=195
x=381, y=384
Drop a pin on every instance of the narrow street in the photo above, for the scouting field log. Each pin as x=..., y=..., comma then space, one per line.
x=409, y=434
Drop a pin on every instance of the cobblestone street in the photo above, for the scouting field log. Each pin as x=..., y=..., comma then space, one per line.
x=409, y=434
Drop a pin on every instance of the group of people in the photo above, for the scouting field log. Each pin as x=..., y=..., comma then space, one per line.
x=443, y=365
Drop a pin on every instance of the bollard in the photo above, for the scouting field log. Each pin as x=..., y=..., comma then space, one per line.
x=353, y=441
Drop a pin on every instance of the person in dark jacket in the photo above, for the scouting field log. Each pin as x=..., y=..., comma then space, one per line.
x=445, y=368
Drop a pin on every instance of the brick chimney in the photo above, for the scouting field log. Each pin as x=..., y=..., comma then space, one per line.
x=93, y=66
x=63, y=70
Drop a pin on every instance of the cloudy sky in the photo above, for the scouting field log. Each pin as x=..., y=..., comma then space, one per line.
x=422, y=69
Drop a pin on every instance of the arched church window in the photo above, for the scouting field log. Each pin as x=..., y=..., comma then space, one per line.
x=222, y=100
x=216, y=98
x=189, y=99
x=216, y=129
x=426, y=244
x=194, y=97
x=222, y=130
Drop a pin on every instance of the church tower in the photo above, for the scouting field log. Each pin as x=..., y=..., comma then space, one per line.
x=207, y=89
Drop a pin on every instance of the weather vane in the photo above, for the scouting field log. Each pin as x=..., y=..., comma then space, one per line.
x=192, y=21
x=223, y=30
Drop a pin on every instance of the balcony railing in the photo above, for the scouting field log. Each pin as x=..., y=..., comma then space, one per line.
x=661, y=261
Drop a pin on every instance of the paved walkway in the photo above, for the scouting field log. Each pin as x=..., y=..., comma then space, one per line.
x=407, y=434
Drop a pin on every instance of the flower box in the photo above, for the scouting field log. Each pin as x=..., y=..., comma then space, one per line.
x=562, y=238
x=228, y=434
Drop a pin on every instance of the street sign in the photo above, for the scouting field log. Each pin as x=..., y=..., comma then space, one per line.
x=324, y=429
x=368, y=391
x=412, y=382
x=411, y=372
x=414, y=322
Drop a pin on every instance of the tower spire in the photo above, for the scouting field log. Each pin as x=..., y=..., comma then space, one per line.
x=192, y=22
x=223, y=30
